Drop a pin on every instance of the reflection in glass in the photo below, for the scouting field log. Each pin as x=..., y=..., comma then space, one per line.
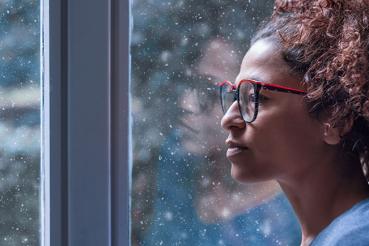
x=182, y=192
x=19, y=122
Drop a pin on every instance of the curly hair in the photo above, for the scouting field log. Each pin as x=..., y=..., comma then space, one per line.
x=327, y=42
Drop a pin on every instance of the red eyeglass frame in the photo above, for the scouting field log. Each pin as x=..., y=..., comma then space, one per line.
x=258, y=85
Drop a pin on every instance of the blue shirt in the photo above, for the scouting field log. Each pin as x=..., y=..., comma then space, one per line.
x=350, y=228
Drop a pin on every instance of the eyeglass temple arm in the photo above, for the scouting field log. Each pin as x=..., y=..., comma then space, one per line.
x=278, y=87
x=286, y=90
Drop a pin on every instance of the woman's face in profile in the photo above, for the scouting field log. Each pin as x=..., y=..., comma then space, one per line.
x=284, y=139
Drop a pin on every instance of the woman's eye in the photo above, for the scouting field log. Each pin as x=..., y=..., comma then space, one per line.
x=252, y=97
x=260, y=99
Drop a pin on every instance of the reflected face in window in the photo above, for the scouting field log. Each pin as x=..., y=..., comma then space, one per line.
x=284, y=139
x=201, y=133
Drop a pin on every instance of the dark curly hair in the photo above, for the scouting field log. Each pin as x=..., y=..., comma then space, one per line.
x=327, y=42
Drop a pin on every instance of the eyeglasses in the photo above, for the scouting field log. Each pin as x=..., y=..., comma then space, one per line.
x=248, y=96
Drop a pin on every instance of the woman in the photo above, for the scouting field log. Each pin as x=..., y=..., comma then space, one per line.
x=298, y=113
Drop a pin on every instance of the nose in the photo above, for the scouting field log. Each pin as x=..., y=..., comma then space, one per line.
x=232, y=118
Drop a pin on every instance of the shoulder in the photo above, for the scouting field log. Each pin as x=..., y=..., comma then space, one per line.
x=350, y=228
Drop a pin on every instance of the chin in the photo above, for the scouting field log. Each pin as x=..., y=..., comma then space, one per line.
x=243, y=175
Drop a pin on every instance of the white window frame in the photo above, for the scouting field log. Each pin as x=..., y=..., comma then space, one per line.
x=87, y=116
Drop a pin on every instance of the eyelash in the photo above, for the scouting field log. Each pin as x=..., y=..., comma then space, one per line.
x=261, y=98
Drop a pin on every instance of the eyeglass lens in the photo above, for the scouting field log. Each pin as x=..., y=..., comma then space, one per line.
x=228, y=97
x=247, y=99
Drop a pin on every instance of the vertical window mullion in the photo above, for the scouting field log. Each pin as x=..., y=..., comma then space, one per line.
x=120, y=88
x=89, y=112
x=58, y=122
x=89, y=123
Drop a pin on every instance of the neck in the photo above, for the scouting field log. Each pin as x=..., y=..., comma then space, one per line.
x=323, y=193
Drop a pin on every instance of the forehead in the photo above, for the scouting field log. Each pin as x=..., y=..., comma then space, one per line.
x=262, y=51
x=264, y=62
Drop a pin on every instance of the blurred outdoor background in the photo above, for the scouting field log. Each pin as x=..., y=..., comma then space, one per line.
x=182, y=192
x=19, y=122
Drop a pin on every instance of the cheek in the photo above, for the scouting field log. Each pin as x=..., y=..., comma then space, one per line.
x=281, y=138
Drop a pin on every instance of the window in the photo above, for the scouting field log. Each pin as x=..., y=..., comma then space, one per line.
x=64, y=128
x=182, y=192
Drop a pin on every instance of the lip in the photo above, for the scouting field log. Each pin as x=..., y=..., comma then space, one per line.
x=234, y=148
x=233, y=151
x=233, y=144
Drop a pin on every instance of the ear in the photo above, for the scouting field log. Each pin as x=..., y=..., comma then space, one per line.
x=332, y=135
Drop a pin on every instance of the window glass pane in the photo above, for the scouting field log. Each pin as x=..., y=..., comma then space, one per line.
x=182, y=190
x=20, y=122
